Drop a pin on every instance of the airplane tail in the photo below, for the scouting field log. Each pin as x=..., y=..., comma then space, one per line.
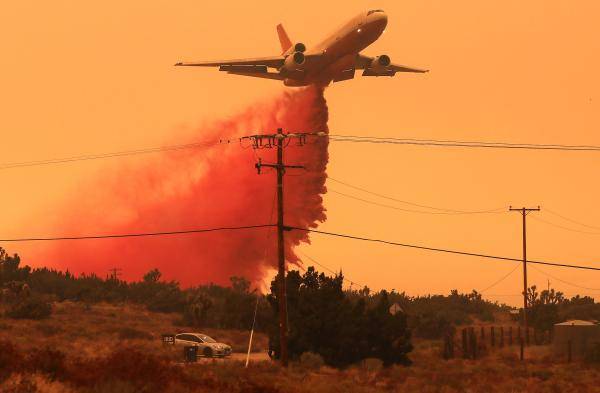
x=284, y=39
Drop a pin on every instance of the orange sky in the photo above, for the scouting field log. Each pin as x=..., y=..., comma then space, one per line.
x=82, y=77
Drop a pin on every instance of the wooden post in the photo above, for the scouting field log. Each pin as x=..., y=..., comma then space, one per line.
x=473, y=343
x=501, y=336
x=522, y=344
x=492, y=336
x=482, y=336
x=519, y=332
x=465, y=347
x=510, y=335
x=448, y=345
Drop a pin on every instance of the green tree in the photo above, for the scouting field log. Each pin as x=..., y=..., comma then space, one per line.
x=323, y=320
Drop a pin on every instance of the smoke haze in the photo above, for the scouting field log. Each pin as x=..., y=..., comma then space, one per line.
x=201, y=188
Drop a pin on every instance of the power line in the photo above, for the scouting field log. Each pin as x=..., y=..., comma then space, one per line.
x=332, y=137
x=501, y=279
x=448, y=251
x=564, y=228
x=142, y=234
x=463, y=141
x=566, y=282
x=329, y=189
x=452, y=143
x=330, y=270
x=412, y=203
x=505, y=294
x=113, y=154
x=570, y=219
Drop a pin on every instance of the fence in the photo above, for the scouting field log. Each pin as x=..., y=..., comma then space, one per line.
x=475, y=343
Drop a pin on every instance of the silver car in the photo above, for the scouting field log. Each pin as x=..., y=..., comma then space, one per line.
x=207, y=346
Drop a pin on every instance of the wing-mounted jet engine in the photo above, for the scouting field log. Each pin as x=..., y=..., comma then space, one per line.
x=380, y=66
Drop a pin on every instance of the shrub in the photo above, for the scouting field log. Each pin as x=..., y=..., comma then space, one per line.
x=129, y=333
x=311, y=361
x=47, y=361
x=11, y=359
x=49, y=329
x=592, y=354
x=30, y=308
x=372, y=364
x=144, y=371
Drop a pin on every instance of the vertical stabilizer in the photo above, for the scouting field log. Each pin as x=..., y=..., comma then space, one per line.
x=284, y=40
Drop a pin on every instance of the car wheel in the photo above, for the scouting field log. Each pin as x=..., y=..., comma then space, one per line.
x=208, y=352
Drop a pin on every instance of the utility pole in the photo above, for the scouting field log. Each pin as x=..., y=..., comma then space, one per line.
x=115, y=273
x=524, y=211
x=267, y=141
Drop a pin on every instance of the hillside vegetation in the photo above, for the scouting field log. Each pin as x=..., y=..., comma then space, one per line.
x=62, y=333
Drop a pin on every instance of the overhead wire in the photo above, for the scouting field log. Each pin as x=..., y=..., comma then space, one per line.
x=570, y=219
x=500, y=280
x=564, y=281
x=461, y=141
x=411, y=203
x=448, y=212
x=329, y=189
x=564, y=227
x=122, y=153
x=332, y=137
x=328, y=269
x=458, y=143
x=443, y=250
x=140, y=234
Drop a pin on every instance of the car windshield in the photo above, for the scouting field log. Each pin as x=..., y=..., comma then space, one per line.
x=206, y=339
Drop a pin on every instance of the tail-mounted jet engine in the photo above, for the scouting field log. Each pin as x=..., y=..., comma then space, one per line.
x=293, y=66
x=299, y=47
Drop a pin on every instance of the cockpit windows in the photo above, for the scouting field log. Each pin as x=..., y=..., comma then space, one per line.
x=373, y=11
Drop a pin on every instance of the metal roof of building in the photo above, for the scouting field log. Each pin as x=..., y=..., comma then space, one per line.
x=576, y=322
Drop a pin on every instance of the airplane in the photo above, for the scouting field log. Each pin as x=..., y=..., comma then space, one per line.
x=335, y=59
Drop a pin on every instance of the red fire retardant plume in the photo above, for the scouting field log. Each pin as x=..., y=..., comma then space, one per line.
x=201, y=188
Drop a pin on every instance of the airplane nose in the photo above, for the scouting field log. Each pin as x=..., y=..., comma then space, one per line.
x=383, y=19
x=378, y=19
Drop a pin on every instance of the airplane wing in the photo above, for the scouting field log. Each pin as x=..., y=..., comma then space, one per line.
x=401, y=68
x=363, y=62
x=259, y=62
x=256, y=67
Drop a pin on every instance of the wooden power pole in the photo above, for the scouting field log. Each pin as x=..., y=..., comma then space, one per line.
x=115, y=272
x=524, y=211
x=277, y=140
